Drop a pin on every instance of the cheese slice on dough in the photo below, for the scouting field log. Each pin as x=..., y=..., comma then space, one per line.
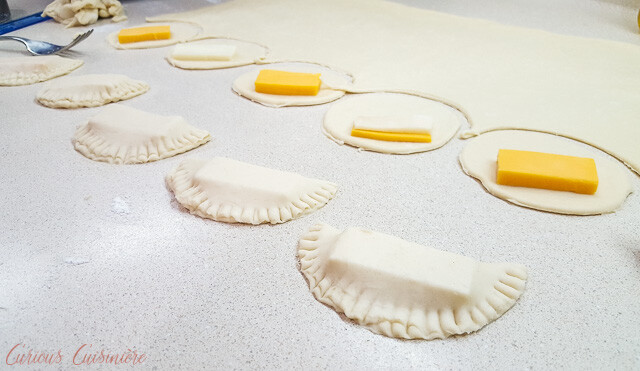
x=201, y=52
x=415, y=128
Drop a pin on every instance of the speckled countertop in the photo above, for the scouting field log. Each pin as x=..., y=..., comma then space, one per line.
x=99, y=254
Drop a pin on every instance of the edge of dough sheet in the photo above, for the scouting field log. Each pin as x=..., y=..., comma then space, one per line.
x=407, y=16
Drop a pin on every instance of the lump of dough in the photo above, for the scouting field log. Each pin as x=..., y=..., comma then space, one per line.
x=84, y=12
x=404, y=290
x=124, y=135
x=479, y=160
x=29, y=70
x=245, y=87
x=236, y=192
x=340, y=118
x=180, y=32
x=90, y=91
x=246, y=53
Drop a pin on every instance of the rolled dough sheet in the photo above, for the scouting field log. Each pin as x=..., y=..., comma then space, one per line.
x=340, y=118
x=478, y=159
x=501, y=76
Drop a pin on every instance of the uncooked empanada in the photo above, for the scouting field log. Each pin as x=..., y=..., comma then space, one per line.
x=90, y=91
x=232, y=191
x=404, y=290
x=124, y=135
x=29, y=70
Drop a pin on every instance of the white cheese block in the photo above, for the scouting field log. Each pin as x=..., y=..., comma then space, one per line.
x=203, y=52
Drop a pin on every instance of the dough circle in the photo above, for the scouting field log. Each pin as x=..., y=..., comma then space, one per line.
x=478, y=159
x=245, y=87
x=180, y=32
x=246, y=53
x=338, y=121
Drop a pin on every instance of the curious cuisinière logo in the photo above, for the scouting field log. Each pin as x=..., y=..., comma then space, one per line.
x=84, y=355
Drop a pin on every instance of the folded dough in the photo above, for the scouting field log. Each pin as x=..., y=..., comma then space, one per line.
x=478, y=159
x=339, y=120
x=29, y=70
x=90, y=91
x=84, y=12
x=329, y=90
x=404, y=290
x=232, y=191
x=124, y=135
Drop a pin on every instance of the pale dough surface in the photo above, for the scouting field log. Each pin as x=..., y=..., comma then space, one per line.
x=404, y=290
x=329, y=90
x=246, y=53
x=232, y=191
x=29, y=70
x=500, y=76
x=123, y=135
x=180, y=32
x=84, y=12
x=478, y=159
x=90, y=90
x=340, y=118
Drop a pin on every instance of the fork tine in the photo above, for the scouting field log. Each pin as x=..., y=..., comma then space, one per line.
x=75, y=41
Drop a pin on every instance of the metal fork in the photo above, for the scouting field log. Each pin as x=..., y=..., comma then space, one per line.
x=36, y=47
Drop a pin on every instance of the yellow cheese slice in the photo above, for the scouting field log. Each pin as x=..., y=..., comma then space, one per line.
x=391, y=137
x=413, y=128
x=287, y=83
x=131, y=35
x=547, y=171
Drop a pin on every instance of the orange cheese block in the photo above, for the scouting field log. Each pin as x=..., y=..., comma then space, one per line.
x=547, y=171
x=288, y=83
x=131, y=35
x=391, y=137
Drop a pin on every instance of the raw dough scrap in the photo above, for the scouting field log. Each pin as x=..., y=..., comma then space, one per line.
x=29, y=70
x=339, y=120
x=478, y=159
x=329, y=90
x=404, y=290
x=500, y=76
x=90, y=91
x=180, y=32
x=246, y=53
x=83, y=12
x=236, y=192
x=124, y=135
